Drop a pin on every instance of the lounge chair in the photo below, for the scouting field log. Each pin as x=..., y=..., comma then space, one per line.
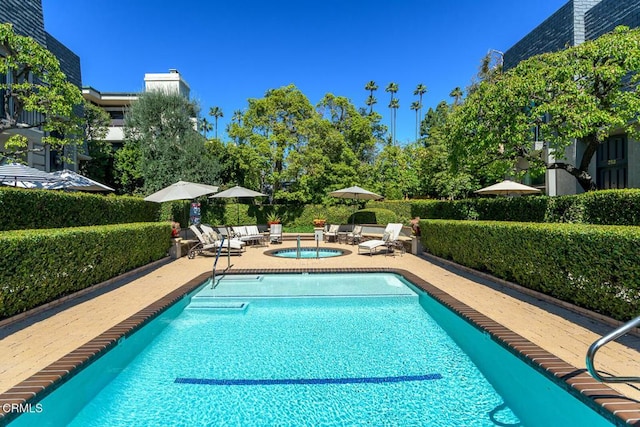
x=275, y=233
x=332, y=232
x=249, y=234
x=208, y=244
x=388, y=241
x=213, y=236
x=355, y=235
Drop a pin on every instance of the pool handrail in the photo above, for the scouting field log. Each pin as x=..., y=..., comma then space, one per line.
x=611, y=336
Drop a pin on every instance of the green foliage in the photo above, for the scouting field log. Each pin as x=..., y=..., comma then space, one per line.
x=162, y=146
x=586, y=92
x=556, y=259
x=39, y=266
x=100, y=167
x=37, y=209
x=48, y=94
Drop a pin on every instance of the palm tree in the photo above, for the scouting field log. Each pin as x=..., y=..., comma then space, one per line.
x=205, y=126
x=456, y=94
x=237, y=117
x=394, y=105
x=420, y=90
x=392, y=88
x=371, y=87
x=370, y=101
x=416, y=106
x=216, y=113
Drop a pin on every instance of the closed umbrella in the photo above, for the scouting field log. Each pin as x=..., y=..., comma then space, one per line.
x=237, y=192
x=356, y=193
x=508, y=188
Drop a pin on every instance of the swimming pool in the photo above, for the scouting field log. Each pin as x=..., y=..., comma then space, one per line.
x=351, y=354
x=306, y=252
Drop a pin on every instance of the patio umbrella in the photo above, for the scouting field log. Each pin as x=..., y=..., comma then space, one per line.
x=508, y=188
x=356, y=193
x=181, y=190
x=237, y=192
x=18, y=175
x=75, y=181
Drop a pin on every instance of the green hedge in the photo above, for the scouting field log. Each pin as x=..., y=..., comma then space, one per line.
x=595, y=267
x=604, y=207
x=27, y=209
x=38, y=266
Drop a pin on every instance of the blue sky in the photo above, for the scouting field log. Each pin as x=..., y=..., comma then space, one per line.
x=229, y=51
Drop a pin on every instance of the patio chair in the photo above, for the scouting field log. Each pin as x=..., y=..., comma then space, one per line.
x=388, y=241
x=355, y=235
x=332, y=232
x=209, y=244
x=275, y=233
x=213, y=236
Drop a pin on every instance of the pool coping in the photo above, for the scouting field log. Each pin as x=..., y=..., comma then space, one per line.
x=272, y=252
x=614, y=406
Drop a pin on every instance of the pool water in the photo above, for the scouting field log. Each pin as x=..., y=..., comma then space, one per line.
x=364, y=350
x=307, y=253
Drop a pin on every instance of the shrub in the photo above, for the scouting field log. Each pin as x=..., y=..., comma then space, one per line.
x=595, y=267
x=38, y=266
x=27, y=209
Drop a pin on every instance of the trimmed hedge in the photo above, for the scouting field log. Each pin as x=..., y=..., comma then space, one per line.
x=39, y=266
x=604, y=207
x=22, y=209
x=595, y=267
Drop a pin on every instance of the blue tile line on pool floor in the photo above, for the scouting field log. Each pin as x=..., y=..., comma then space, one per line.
x=313, y=381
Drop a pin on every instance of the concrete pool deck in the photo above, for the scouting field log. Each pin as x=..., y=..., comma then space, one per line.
x=33, y=343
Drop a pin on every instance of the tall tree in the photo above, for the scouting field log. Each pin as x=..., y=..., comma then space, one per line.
x=204, y=126
x=420, y=90
x=392, y=88
x=586, y=92
x=96, y=122
x=162, y=146
x=415, y=105
x=456, y=94
x=394, y=105
x=371, y=86
x=33, y=83
x=216, y=113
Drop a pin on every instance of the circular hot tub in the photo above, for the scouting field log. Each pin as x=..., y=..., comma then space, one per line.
x=307, y=252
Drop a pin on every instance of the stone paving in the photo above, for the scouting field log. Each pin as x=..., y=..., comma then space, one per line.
x=33, y=343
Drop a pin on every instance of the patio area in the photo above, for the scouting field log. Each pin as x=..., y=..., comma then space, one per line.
x=31, y=344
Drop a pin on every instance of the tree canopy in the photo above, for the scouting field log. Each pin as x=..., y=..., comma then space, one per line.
x=586, y=92
x=33, y=83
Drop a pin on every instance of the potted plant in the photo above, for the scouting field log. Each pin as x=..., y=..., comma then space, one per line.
x=273, y=218
x=319, y=222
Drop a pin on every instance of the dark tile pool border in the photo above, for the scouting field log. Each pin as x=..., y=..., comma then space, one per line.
x=610, y=403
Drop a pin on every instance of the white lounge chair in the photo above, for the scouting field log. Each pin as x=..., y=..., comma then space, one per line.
x=275, y=233
x=213, y=236
x=332, y=232
x=249, y=234
x=209, y=244
x=355, y=235
x=389, y=238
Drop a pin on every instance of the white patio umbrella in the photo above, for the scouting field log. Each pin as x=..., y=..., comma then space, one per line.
x=18, y=175
x=237, y=192
x=181, y=190
x=508, y=188
x=75, y=181
x=356, y=193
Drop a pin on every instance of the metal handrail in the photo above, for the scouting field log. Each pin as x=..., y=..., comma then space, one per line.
x=612, y=336
x=215, y=263
x=298, y=249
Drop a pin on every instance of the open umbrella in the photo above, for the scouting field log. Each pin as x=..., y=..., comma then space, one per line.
x=508, y=188
x=356, y=193
x=181, y=190
x=75, y=181
x=237, y=192
x=18, y=175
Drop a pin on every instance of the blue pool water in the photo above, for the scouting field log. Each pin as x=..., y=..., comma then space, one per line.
x=307, y=253
x=257, y=350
